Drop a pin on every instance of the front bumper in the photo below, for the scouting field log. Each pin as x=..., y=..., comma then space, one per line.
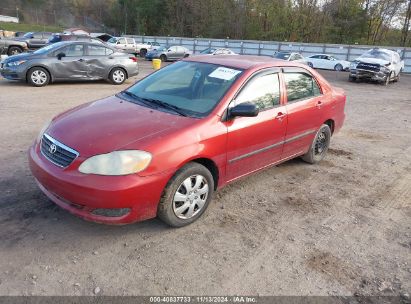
x=13, y=73
x=82, y=194
x=370, y=75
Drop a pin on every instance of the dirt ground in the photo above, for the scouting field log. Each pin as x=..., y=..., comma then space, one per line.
x=338, y=228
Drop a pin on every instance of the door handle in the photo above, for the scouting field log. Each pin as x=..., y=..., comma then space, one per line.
x=81, y=60
x=319, y=104
x=280, y=116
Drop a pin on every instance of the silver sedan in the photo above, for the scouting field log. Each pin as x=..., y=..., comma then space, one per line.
x=72, y=60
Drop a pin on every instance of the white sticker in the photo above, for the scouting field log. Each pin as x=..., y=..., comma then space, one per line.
x=224, y=73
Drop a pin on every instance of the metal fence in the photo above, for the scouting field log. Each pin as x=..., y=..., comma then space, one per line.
x=251, y=47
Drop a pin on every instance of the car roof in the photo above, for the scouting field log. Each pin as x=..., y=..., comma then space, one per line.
x=240, y=62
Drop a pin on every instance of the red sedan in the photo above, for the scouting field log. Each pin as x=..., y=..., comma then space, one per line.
x=164, y=145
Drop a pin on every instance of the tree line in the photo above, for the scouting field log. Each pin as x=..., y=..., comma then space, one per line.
x=376, y=22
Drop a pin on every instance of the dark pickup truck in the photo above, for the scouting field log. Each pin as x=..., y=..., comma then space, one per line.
x=12, y=47
x=35, y=40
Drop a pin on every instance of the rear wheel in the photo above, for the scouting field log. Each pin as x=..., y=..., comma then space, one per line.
x=163, y=58
x=38, y=77
x=117, y=76
x=351, y=79
x=186, y=195
x=338, y=67
x=319, y=146
x=14, y=50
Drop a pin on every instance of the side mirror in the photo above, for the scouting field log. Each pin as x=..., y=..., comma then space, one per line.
x=60, y=55
x=246, y=109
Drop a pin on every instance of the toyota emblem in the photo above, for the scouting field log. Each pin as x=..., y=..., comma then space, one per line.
x=52, y=148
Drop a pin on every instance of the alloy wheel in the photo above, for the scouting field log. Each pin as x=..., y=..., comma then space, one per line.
x=39, y=77
x=320, y=143
x=190, y=197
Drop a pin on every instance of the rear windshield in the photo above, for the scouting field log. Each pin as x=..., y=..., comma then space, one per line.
x=283, y=56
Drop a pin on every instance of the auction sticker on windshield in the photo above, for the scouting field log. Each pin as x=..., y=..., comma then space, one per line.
x=224, y=73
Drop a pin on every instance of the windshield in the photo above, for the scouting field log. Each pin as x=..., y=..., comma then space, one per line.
x=191, y=87
x=377, y=54
x=208, y=51
x=283, y=56
x=112, y=40
x=49, y=47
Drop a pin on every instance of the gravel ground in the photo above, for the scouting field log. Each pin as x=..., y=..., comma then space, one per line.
x=338, y=228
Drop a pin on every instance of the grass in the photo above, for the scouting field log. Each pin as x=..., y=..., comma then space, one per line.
x=23, y=27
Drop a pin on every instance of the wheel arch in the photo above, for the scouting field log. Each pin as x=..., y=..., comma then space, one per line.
x=331, y=124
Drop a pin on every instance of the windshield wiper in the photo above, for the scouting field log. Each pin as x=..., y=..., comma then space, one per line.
x=138, y=98
x=166, y=105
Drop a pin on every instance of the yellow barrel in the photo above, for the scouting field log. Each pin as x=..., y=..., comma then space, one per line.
x=156, y=64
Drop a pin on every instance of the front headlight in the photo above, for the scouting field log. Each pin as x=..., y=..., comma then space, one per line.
x=116, y=163
x=384, y=69
x=16, y=63
x=353, y=65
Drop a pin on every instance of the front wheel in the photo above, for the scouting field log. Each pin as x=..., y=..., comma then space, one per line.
x=38, y=77
x=186, y=195
x=387, y=79
x=143, y=53
x=319, y=146
x=163, y=58
x=117, y=76
x=310, y=64
x=338, y=67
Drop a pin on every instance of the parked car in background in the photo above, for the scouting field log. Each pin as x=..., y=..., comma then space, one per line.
x=143, y=48
x=290, y=56
x=70, y=61
x=35, y=40
x=217, y=51
x=125, y=44
x=164, y=145
x=377, y=64
x=70, y=37
x=327, y=62
x=11, y=46
x=169, y=53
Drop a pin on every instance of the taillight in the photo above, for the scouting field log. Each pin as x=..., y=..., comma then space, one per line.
x=133, y=58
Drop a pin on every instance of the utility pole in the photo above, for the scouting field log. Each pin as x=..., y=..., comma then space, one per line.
x=406, y=27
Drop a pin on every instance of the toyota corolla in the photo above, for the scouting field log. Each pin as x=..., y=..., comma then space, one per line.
x=164, y=145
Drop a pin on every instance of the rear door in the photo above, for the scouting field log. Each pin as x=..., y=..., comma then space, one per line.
x=72, y=65
x=304, y=110
x=36, y=41
x=98, y=61
x=256, y=142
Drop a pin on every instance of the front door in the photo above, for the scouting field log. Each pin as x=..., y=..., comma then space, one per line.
x=256, y=142
x=73, y=65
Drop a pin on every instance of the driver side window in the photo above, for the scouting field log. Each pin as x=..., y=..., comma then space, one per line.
x=263, y=91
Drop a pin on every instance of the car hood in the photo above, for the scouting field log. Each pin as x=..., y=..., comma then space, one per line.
x=373, y=60
x=23, y=56
x=111, y=124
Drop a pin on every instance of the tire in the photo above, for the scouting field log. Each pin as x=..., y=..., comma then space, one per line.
x=338, y=67
x=351, y=79
x=178, y=209
x=117, y=76
x=186, y=55
x=14, y=50
x=310, y=64
x=38, y=77
x=319, y=146
x=143, y=53
x=397, y=79
x=163, y=58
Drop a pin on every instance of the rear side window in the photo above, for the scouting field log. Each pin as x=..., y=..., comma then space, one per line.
x=121, y=40
x=130, y=40
x=263, y=91
x=300, y=86
x=95, y=50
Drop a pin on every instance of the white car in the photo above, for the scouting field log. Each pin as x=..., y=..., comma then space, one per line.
x=327, y=62
x=145, y=47
x=217, y=51
x=126, y=44
x=377, y=64
x=290, y=56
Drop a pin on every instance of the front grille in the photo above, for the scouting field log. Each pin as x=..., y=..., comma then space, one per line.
x=56, y=152
x=368, y=67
